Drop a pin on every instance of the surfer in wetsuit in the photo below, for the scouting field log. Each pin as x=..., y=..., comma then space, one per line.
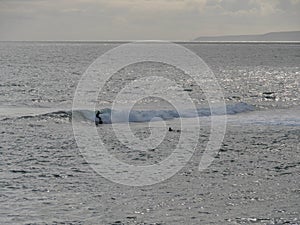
x=99, y=121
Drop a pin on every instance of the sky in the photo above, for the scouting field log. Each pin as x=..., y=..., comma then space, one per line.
x=143, y=19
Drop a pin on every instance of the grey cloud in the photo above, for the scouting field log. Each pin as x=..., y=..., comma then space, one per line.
x=139, y=19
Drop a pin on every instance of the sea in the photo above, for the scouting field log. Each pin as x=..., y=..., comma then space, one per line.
x=46, y=176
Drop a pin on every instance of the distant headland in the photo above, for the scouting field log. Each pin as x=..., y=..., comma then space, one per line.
x=290, y=36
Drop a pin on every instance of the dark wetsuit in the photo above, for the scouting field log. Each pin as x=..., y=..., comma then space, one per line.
x=98, y=116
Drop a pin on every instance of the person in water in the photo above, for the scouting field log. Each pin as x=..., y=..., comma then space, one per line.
x=99, y=121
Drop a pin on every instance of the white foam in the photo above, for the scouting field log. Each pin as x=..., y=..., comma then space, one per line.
x=148, y=115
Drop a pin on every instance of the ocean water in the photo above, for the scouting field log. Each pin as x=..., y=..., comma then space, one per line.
x=45, y=179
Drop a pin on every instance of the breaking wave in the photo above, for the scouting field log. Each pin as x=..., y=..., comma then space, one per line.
x=139, y=115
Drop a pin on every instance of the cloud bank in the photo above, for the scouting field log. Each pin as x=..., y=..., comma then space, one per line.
x=143, y=19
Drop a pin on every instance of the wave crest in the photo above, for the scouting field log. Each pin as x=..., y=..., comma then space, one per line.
x=137, y=115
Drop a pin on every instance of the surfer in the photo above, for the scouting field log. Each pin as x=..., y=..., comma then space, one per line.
x=98, y=119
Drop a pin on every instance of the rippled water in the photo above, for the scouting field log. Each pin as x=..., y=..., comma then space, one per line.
x=254, y=178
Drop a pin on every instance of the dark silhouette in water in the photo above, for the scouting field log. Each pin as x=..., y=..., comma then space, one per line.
x=99, y=121
x=172, y=130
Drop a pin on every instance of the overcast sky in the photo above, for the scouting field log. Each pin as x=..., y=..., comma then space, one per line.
x=143, y=19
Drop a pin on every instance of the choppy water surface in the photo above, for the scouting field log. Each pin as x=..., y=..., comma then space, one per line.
x=253, y=180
